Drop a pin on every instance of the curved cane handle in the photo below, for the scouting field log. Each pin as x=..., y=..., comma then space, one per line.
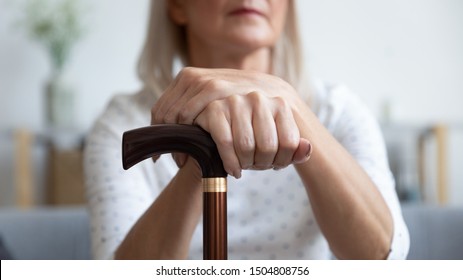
x=145, y=142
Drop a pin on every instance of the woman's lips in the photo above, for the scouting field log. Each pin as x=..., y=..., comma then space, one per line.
x=245, y=11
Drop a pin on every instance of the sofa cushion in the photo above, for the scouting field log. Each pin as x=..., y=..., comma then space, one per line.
x=436, y=233
x=46, y=233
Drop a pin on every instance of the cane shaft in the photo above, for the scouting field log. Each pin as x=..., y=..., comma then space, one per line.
x=215, y=219
x=145, y=142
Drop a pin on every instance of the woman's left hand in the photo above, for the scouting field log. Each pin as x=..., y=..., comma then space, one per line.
x=248, y=114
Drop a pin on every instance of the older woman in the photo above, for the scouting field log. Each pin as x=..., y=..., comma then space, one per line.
x=234, y=68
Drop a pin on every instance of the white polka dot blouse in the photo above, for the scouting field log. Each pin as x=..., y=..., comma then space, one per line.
x=269, y=213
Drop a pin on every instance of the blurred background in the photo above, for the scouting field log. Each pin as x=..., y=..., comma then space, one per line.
x=403, y=58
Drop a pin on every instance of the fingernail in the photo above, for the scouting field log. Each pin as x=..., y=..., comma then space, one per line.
x=155, y=158
x=237, y=174
x=307, y=155
x=181, y=161
x=309, y=152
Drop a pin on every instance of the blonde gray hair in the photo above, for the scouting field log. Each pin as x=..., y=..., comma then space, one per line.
x=166, y=42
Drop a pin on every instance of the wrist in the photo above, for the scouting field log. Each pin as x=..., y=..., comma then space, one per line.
x=190, y=173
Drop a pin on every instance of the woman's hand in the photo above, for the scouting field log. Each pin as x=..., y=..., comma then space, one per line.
x=248, y=114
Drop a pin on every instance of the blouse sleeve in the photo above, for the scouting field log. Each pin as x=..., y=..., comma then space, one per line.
x=115, y=197
x=357, y=130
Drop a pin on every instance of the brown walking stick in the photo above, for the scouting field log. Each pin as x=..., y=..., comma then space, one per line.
x=145, y=142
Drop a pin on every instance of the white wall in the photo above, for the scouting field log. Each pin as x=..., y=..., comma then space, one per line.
x=409, y=53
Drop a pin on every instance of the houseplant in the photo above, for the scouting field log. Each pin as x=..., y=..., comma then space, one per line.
x=57, y=25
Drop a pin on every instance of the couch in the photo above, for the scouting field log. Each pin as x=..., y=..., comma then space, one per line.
x=46, y=233
x=63, y=233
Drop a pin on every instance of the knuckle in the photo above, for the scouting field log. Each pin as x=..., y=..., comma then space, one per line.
x=288, y=142
x=236, y=104
x=234, y=99
x=268, y=145
x=255, y=95
x=186, y=75
x=168, y=118
x=201, y=82
x=280, y=102
x=215, y=106
x=214, y=110
x=171, y=116
x=246, y=144
x=256, y=98
x=214, y=85
x=184, y=116
x=224, y=141
x=186, y=72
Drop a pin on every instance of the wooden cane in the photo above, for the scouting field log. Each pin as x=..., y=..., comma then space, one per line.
x=145, y=142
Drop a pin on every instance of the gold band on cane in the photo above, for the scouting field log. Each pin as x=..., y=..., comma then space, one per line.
x=215, y=184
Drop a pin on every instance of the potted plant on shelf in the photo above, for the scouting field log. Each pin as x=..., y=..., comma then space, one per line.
x=57, y=26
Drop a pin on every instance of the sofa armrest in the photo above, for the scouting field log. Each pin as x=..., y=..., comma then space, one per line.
x=436, y=233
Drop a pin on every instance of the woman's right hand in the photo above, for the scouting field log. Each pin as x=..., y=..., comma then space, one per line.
x=253, y=131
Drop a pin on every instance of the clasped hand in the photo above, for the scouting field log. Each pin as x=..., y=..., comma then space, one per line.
x=248, y=114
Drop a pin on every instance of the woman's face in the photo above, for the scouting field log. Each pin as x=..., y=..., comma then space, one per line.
x=240, y=24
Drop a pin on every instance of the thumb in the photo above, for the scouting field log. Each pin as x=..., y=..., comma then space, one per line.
x=303, y=152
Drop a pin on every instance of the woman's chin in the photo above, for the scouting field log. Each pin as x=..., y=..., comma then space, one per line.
x=252, y=41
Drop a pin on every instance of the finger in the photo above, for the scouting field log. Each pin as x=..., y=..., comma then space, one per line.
x=209, y=90
x=265, y=133
x=288, y=135
x=172, y=94
x=180, y=159
x=303, y=152
x=179, y=107
x=215, y=120
x=155, y=158
x=243, y=134
x=159, y=108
